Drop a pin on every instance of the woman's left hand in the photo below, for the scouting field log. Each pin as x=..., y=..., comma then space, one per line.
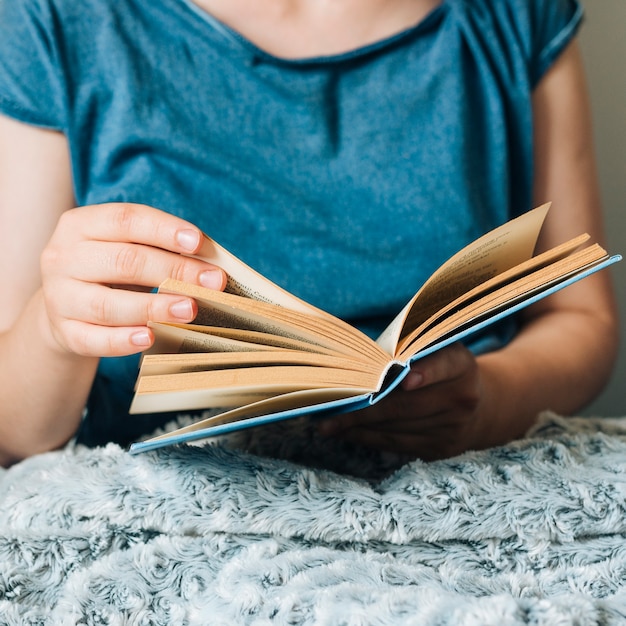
x=434, y=413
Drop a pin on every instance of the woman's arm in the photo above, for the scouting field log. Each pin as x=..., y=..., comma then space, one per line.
x=564, y=353
x=35, y=189
x=73, y=287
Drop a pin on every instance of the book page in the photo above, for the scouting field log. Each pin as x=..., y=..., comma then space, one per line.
x=527, y=268
x=239, y=386
x=285, y=402
x=181, y=339
x=246, y=282
x=493, y=253
x=252, y=338
x=508, y=295
x=158, y=364
x=216, y=308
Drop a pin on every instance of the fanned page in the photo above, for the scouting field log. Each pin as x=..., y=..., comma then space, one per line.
x=232, y=311
x=246, y=282
x=186, y=338
x=499, y=250
x=194, y=366
x=263, y=411
x=503, y=296
x=541, y=268
x=238, y=386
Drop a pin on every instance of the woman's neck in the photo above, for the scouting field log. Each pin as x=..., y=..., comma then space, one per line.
x=297, y=29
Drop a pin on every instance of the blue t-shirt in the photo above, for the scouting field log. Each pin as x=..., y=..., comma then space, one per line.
x=346, y=179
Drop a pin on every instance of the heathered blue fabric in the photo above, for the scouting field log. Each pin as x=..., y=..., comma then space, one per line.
x=346, y=179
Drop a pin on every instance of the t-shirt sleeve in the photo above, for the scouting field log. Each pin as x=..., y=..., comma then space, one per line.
x=30, y=64
x=553, y=25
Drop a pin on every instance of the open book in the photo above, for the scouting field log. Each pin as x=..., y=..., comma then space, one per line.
x=260, y=354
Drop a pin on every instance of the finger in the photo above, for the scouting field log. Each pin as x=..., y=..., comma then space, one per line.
x=424, y=447
x=90, y=340
x=135, y=264
x=379, y=414
x=338, y=424
x=428, y=407
x=450, y=363
x=451, y=399
x=127, y=222
x=103, y=306
x=388, y=421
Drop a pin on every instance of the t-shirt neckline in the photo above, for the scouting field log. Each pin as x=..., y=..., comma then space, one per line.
x=255, y=52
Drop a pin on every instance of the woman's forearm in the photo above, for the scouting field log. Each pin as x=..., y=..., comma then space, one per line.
x=560, y=361
x=44, y=389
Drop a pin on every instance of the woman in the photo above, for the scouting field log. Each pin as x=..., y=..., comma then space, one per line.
x=344, y=149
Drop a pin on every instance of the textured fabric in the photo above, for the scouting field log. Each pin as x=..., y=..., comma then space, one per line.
x=345, y=179
x=528, y=534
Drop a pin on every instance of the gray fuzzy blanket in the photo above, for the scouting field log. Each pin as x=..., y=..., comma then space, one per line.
x=530, y=533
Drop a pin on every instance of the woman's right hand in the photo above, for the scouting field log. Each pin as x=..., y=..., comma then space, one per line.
x=75, y=286
x=98, y=270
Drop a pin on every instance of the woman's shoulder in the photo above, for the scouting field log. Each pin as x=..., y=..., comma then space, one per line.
x=533, y=30
x=60, y=15
x=41, y=41
x=41, y=8
x=531, y=15
x=50, y=19
x=514, y=8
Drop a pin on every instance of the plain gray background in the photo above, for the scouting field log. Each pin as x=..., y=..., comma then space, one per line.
x=603, y=42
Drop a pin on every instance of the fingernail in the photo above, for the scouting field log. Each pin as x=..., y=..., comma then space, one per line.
x=211, y=279
x=188, y=239
x=182, y=310
x=141, y=338
x=412, y=381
